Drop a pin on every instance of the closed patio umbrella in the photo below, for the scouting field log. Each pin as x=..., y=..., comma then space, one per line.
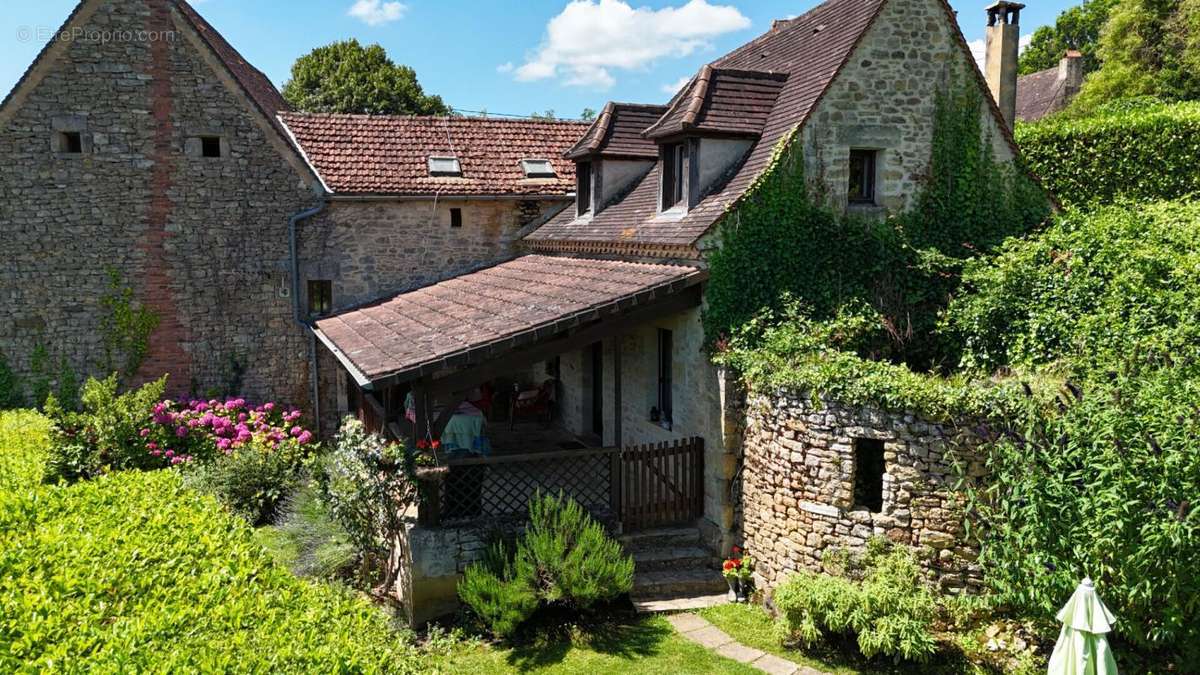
x=1082, y=648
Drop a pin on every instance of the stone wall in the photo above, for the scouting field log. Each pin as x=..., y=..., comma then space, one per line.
x=798, y=487
x=883, y=100
x=370, y=249
x=202, y=241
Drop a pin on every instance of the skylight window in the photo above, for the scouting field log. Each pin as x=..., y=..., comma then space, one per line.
x=537, y=168
x=445, y=166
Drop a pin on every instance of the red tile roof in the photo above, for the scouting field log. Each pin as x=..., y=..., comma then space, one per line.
x=376, y=154
x=617, y=132
x=510, y=304
x=721, y=101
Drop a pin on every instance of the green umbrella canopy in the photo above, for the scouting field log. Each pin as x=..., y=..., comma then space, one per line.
x=1082, y=648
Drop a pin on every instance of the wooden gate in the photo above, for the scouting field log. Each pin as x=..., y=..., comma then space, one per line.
x=662, y=484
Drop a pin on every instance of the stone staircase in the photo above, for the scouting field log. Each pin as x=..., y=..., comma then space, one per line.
x=673, y=572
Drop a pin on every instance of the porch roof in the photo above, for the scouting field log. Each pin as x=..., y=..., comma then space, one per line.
x=477, y=316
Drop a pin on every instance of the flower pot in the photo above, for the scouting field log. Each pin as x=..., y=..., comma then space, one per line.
x=734, y=588
x=744, y=587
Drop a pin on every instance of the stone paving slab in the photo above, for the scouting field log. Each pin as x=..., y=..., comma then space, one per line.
x=711, y=637
x=740, y=652
x=697, y=629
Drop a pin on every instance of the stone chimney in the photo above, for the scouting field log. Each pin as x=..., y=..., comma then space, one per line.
x=1070, y=73
x=1003, y=48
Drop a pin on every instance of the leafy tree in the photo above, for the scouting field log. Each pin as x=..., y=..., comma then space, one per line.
x=587, y=115
x=346, y=77
x=1076, y=28
x=1147, y=48
x=548, y=115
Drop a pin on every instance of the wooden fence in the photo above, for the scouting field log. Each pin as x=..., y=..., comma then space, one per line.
x=641, y=486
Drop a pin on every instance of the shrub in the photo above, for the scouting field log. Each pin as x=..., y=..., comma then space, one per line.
x=1130, y=151
x=253, y=479
x=565, y=558
x=134, y=573
x=368, y=485
x=179, y=432
x=105, y=435
x=501, y=598
x=889, y=612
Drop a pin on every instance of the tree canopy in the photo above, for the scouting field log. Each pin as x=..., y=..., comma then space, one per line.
x=1146, y=48
x=1076, y=28
x=346, y=77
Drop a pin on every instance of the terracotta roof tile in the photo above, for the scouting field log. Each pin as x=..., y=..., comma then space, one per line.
x=517, y=298
x=376, y=154
x=617, y=132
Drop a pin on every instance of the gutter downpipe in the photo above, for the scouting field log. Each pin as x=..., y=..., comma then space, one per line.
x=293, y=223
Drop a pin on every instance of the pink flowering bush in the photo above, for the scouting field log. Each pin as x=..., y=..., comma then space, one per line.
x=179, y=432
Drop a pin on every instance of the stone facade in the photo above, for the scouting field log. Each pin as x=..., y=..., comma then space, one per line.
x=202, y=241
x=883, y=100
x=798, y=487
x=373, y=248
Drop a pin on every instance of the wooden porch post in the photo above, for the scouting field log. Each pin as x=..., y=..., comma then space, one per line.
x=617, y=390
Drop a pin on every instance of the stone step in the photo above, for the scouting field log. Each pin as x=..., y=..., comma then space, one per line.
x=663, y=537
x=684, y=557
x=683, y=603
x=673, y=583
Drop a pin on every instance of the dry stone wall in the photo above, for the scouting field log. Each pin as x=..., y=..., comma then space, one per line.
x=798, y=487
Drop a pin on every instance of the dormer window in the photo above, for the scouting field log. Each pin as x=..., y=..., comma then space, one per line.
x=583, y=188
x=445, y=167
x=537, y=168
x=674, y=172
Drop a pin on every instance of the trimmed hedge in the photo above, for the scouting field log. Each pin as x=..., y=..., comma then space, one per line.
x=1136, y=151
x=134, y=572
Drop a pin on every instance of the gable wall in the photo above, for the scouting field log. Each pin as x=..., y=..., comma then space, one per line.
x=202, y=241
x=884, y=99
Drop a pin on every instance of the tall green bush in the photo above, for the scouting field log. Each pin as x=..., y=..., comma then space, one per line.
x=1137, y=150
x=564, y=559
x=254, y=479
x=1103, y=482
x=12, y=394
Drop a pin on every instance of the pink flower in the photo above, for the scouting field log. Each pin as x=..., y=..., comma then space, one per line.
x=156, y=453
x=176, y=460
x=223, y=444
x=242, y=417
x=181, y=432
x=170, y=452
x=268, y=407
x=296, y=431
x=144, y=433
x=152, y=445
x=305, y=438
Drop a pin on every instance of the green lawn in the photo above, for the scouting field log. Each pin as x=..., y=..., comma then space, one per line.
x=647, y=646
x=753, y=627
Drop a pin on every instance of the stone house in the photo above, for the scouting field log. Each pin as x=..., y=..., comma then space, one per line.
x=141, y=141
x=446, y=278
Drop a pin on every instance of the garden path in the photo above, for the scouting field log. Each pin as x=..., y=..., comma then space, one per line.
x=699, y=630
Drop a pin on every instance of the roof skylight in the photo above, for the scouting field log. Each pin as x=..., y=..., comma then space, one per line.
x=537, y=168
x=445, y=166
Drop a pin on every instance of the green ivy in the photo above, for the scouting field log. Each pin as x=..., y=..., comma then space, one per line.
x=41, y=377
x=126, y=327
x=11, y=390
x=778, y=243
x=1134, y=150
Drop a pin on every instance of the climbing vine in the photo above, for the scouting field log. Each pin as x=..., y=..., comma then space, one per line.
x=126, y=327
x=779, y=245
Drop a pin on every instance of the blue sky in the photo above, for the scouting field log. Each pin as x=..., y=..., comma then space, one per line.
x=504, y=56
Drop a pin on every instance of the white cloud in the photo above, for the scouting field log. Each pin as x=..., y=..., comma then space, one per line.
x=979, y=48
x=506, y=67
x=377, y=12
x=591, y=38
x=674, y=87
